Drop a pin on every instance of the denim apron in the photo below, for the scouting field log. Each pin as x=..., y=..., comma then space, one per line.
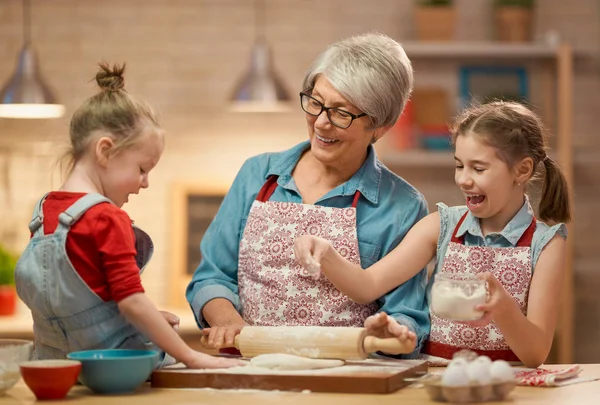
x=67, y=315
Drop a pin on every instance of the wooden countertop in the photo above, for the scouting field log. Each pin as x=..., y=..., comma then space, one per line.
x=580, y=394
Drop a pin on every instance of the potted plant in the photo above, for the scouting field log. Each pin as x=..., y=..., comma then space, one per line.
x=8, y=293
x=435, y=20
x=513, y=20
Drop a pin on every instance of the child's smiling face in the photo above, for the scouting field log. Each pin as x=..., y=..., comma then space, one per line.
x=487, y=182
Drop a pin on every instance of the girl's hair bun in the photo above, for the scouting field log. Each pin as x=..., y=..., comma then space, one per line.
x=110, y=78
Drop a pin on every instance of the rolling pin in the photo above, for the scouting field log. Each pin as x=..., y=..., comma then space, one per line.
x=323, y=342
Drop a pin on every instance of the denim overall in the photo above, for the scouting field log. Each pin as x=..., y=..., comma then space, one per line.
x=67, y=315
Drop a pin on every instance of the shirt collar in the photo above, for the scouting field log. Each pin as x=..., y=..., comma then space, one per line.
x=366, y=179
x=512, y=232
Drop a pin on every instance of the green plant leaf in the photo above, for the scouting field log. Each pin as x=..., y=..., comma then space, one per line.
x=435, y=3
x=514, y=3
x=8, y=262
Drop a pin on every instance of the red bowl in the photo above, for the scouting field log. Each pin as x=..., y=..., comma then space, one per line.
x=50, y=379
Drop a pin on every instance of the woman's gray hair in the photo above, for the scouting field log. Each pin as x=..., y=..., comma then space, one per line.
x=371, y=71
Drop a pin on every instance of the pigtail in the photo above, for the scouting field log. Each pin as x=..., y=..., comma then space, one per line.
x=554, y=203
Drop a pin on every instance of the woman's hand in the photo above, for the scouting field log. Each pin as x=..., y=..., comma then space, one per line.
x=309, y=250
x=383, y=326
x=222, y=336
x=172, y=319
x=498, y=302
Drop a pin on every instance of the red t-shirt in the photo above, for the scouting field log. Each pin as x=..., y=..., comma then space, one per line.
x=101, y=246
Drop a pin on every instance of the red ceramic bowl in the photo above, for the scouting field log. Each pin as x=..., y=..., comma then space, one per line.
x=50, y=379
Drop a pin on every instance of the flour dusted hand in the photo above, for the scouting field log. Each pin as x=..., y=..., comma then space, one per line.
x=309, y=250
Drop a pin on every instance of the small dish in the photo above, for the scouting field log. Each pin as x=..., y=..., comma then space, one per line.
x=12, y=353
x=115, y=371
x=50, y=379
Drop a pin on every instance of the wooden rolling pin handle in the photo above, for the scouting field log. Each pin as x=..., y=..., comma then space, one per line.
x=390, y=345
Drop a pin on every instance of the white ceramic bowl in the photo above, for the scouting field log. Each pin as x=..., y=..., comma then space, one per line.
x=12, y=353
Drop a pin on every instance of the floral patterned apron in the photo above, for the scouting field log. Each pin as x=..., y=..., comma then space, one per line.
x=274, y=289
x=511, y=267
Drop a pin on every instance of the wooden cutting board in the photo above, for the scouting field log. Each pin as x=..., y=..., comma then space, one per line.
x=371, y=376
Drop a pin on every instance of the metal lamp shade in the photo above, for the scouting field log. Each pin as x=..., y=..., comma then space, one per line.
x=25, y=95
x=260, y=89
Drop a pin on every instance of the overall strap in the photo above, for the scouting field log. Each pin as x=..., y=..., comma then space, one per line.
x=461, y=239
x=72, y=214
x=36, y=225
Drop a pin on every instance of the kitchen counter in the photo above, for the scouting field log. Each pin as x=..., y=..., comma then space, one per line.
x=580, y=394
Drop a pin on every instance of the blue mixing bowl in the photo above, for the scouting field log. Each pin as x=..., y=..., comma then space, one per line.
x=115, y=371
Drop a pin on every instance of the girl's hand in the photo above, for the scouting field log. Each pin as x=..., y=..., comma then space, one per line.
x=309, y=250
x=383, y=326
x=498, y=302
x=202, y=360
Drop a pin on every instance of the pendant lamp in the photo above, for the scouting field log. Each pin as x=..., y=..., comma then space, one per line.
x=260, y=89
x=25, y=95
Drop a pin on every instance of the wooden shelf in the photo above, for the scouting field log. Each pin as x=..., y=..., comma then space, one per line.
x=456, y=50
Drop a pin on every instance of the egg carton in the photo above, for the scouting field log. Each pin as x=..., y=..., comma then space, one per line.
x=467, y=394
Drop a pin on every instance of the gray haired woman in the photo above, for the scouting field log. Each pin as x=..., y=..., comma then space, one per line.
x=331, y=186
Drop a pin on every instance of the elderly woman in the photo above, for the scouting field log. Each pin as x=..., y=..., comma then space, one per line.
x=332, y=186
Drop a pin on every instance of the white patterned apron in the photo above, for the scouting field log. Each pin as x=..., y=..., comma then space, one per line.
x=274, y=289
x=511, y=267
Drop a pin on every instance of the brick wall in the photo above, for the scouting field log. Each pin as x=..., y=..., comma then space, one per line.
x=184, y=57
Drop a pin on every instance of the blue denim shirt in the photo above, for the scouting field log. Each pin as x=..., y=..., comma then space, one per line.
x=387, y=209
x=510, y=235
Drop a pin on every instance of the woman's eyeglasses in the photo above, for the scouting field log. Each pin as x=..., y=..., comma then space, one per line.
x=338, y=117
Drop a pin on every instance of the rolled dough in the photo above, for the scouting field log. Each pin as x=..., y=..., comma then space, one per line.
x=282, y=361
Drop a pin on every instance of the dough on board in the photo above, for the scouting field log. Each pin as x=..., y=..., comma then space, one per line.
x=282, y=361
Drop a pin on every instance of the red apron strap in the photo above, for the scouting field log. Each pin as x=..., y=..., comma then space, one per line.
x=270, y=185
x=267, y=189
x=527, y=237
x=447, y=351
x=461, y=239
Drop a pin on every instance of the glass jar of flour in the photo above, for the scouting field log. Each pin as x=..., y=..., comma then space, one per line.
x=455, y=296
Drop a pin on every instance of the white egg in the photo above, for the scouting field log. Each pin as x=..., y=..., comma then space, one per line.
x=501, y=371
x=485, y=360
x=458, y=361
x=479, y=372
x=455, y=376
